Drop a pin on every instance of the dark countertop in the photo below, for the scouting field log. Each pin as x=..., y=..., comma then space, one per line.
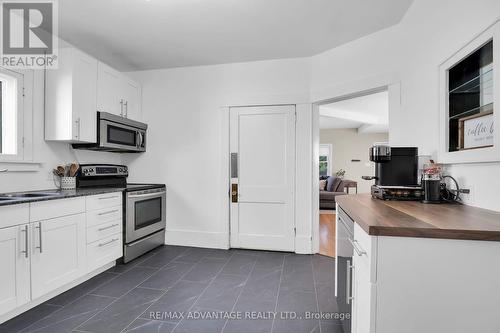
x=415, y=219
x=59, y=194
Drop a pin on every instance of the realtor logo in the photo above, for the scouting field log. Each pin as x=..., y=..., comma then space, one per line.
x=28, y=34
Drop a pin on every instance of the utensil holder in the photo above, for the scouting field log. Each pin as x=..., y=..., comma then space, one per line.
x=68, y=183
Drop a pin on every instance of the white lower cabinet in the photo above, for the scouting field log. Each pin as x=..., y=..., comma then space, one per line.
x=104, y=250
x=46, y=246
x=364, y=282
x=58, y=253
x=15, y=274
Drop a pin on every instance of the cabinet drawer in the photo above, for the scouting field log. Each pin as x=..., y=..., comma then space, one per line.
x=104, y=230
x=104, y=251
x=104, y=215
x=14, y=215
x=104, y=200
x=45, y=210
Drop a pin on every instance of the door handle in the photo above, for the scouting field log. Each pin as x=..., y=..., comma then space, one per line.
x=121, y=107
x=126, y=109
x=39, y=227
x=25, y=252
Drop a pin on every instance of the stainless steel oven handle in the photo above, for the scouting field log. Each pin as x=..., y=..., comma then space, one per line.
x=358, y=250
x=146, y=195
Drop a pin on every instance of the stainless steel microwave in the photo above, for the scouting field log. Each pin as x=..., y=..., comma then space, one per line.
x=117, y=134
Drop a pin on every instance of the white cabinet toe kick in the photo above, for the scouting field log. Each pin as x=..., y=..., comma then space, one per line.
x=48, y=247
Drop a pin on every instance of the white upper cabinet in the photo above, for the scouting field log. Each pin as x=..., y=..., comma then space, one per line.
x=117, y=94
x=109, y=89
x=132, y=95
x=80, y=87
x=70, y=98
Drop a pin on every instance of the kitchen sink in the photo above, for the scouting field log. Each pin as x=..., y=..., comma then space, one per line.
x=14, y=196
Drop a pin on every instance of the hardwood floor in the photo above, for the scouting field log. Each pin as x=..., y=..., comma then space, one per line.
x=327, y=234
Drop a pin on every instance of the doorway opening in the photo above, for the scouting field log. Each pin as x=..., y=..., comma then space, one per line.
x=348, y=127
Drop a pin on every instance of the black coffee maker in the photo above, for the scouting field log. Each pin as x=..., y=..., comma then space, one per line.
x=396, y=173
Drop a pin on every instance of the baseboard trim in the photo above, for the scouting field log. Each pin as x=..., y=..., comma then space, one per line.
x=208, y=239
x=303, y=244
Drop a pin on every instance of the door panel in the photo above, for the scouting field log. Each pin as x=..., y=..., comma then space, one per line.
x=264, y=140
x=58, y=253
x=108, y=90
x=15, y=276
x=85, y=96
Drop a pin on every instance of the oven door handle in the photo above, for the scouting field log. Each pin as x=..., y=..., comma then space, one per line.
x=146, y=195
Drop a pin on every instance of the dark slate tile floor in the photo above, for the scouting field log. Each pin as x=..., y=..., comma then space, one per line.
x=156, y=292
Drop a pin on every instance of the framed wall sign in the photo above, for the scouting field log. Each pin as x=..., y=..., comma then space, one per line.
x=476, y=131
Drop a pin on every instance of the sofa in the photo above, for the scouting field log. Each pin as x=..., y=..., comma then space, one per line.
x=334, y=186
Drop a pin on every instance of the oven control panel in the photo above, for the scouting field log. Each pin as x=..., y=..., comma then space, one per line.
x=93, y=170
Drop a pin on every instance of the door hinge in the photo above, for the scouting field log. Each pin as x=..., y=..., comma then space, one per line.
x=23, y=92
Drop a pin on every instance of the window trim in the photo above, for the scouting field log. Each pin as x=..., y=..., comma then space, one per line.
x=329, y=159
x=23, y=160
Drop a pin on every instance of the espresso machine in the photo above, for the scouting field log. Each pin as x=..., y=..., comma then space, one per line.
x=396, y=173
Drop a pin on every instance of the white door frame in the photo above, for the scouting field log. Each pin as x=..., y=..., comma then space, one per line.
x=352, y=90
x=303, y=168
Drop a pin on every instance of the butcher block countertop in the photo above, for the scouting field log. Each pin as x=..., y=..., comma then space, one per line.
x=415, y=219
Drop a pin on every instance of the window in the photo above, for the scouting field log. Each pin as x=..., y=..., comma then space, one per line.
x=11, y=116
x=325, y=160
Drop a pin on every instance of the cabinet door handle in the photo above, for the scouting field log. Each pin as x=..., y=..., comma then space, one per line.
x=126, y=109
x=25, y=230
x=358, y=250
x=108, y=227
x=77, y=121
x=348, y=295
x=106, y=198
x=106, y=243
x=39, y=227
x=108, y=212
x=121, y=107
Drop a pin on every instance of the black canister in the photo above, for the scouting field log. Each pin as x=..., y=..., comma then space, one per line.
x=432, y=190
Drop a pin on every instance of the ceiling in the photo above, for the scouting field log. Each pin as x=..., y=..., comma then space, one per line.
x=150, y=34
x=367, y=114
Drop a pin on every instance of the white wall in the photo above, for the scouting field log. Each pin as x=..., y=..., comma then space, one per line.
x=182, y=109
x=49, y=154
x=410, y=53
x=348, y=144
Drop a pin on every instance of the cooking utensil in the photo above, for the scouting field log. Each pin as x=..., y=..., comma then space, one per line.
x=73, y=169
x=60, y=170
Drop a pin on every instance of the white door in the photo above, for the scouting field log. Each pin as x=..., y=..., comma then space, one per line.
x=109, y=89
x=132, y=99
x=58, y=253
x=262, y=144
x=15, y=274
x=85, y=97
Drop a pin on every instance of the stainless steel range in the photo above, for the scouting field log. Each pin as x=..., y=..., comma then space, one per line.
x=144, y=215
